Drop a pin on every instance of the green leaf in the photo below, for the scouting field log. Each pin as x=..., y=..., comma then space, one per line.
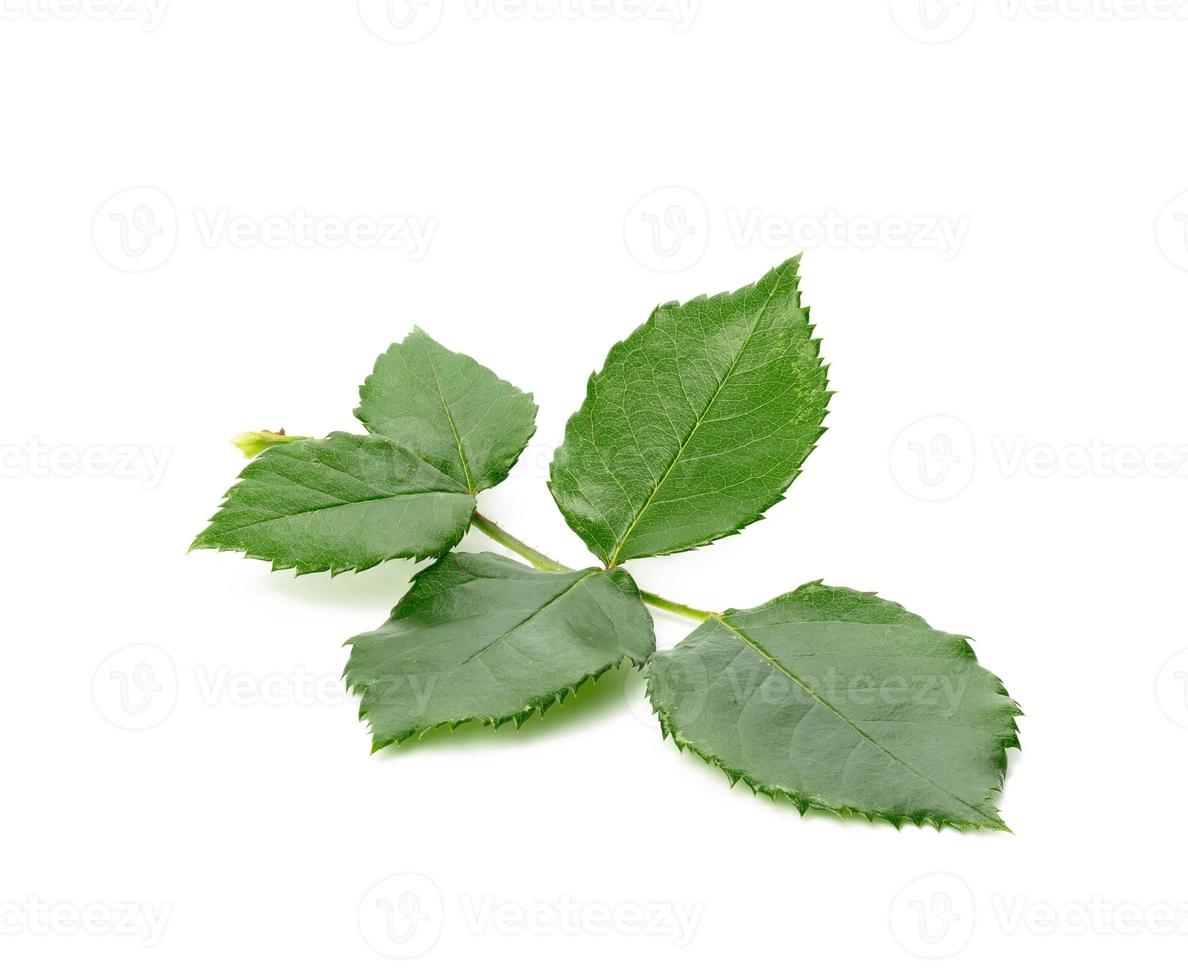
x=841, y=701
x=483, y=638
x=339, y=503
x=697, y=423
x=447, y=409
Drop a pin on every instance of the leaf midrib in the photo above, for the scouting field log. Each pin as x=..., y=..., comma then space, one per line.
x=531, y=616
x=344, y=503
x=774, y=662
x=453, y=426
x=613, y=560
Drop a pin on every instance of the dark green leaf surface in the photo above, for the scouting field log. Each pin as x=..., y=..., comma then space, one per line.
x=696, y=424
x=841, y=701
x=447, y=409
x=339, y=503
x=482, y=638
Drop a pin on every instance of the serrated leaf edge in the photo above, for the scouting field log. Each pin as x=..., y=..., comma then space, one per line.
x=305, y=568
x=536, y=707
x=794, y=263
x=502, y=470
x=308, y=568
x=805, y=803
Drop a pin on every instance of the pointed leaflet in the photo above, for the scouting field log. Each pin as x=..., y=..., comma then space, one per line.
x=483, y=638
x=339, y=503
x=447, y=409
x=697, y=423
x=841, y=701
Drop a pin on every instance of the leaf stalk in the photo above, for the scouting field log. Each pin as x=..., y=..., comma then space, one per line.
x=538, y=559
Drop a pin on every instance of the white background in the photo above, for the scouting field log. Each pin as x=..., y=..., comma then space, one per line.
x=987, y=202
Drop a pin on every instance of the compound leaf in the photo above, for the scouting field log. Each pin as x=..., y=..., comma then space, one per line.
x=486, y=639
x=696, y=424
x=447, y=409
x=841, y=701
x=339, y=503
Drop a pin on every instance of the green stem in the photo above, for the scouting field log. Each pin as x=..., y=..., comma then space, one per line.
x=538, y=559
x=676, y=607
